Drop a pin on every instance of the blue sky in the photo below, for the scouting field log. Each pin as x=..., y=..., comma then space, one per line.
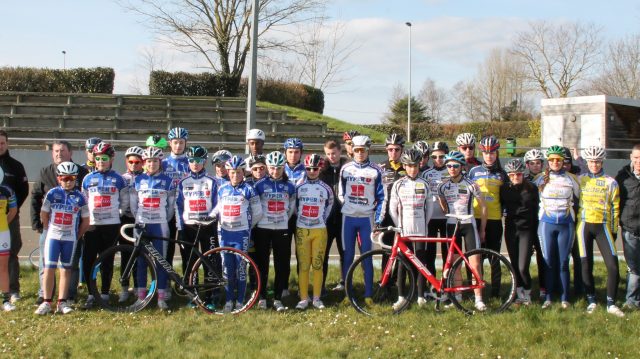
x=449, y=39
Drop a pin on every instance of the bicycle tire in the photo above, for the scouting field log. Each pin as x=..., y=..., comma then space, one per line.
x=114, y=285
x=213, y=294
x=383, y=297
x=34, y=258
x=497, y=296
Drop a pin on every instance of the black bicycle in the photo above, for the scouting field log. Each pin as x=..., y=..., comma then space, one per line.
x=210, y=283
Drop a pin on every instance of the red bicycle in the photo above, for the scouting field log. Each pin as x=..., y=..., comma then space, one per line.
x=461, y=279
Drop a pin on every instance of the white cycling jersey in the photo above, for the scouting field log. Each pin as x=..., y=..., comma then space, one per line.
x=435, y=177
x=314, y=200
x=107, y=196
x=459, y=196
x=411, y=205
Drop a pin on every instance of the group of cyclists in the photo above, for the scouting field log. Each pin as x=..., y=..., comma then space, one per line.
x=263, y=202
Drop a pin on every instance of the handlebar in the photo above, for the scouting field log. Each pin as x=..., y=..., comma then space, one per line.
x=378, y=232
x=125, y=235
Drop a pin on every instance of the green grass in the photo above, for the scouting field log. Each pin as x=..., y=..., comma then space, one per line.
x=336, y=332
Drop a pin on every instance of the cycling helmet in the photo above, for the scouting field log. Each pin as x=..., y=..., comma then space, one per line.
x=514, y=166
x=556, y=150
x=221, y=156
x=394, y=139
x=293, y=142
x=67, y=169
x=440, y=146
x=567, y=153
x=349, y=135
x=533, y=154
x=594, y=153
x=156, y=141
x=466, y=139
x=104, y=148
x=255, y=134
x=275, y=159
x=257, y=159
x=152, y=152
x=489, y=144
x=361, y=141
x=235, y=163
x=411, y=156
x=134, y=151
x=197, y=152
x=313, y=160
x=91, y=143
x=455, y=156
x=422, y=146
x=178, y=132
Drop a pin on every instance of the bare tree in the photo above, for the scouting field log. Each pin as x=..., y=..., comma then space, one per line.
x=558, y=56
x=467, y=104
x=434, y=98
x=151, y=59
x=620, y=75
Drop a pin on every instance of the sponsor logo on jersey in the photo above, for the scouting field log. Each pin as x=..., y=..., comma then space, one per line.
x=310, y=211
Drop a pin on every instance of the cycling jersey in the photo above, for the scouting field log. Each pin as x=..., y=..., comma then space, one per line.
x=65, y=209
x=434, y=177
x=238, y=207
x=152, y=198
x=458, y=197
x=221, y=180
x=296, y=174
x=557, y=197
x=391, y=172
x=489, y=182
x=277, y=198
x=176, y=167
x=107, y=195
x=195, y=198
x=7, y=201
x=361, y=191
x=411, y=205
x=128, y=178
x=314, y=200
x=599, y=200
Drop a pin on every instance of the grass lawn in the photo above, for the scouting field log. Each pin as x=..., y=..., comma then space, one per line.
x=336, y=332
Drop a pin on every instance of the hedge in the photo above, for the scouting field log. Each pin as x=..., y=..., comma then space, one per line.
x=188, y=84
x=77, y=80
x=288, y=94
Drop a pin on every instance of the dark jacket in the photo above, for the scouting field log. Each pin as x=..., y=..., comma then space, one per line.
x=520, y=203
x=15, y=177
x=46, y=181
x=331, y=176
x=629, y=200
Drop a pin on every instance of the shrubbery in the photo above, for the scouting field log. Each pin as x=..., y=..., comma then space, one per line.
x=288, y=94
x=78, y=80
x=188, y=84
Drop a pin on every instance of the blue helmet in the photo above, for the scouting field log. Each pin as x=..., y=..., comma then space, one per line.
x=455, y=156
x=178, y=132
x=293, y=142
x=236, y=162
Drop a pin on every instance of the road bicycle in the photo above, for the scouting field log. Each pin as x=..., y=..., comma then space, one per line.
x=34, y=258
x=459, y=283
x=210, y=283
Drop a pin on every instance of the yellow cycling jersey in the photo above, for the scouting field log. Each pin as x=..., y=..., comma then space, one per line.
x=599, y=200
x=489, y=182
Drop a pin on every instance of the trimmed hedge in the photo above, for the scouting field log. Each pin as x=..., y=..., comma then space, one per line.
x=78, y=80
x=288, y=94
x=188, y=84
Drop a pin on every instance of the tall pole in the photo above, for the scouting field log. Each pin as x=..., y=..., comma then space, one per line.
x=409, y=98
x=253, y=77
x=64, y=60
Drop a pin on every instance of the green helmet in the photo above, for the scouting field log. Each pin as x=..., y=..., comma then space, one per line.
x=556, y=150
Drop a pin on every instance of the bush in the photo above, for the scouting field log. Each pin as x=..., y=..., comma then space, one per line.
x=431, y=131
x=188, y=84
x=78, y=80
x=287, y=94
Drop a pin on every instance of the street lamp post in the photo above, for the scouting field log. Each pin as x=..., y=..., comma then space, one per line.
x=409, y=98
x=64, y=59
x=253, y=76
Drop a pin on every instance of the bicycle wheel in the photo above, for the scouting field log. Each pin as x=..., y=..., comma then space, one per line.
x=34, y=258
x=122, y=292
x=225, y=281
x=497, y=293
x=382, y=297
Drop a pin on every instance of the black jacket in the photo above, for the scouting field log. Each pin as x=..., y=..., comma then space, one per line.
x=520, y=203
x=46, y=181
x=629, y=200
x=15, y=177
x=331, y=176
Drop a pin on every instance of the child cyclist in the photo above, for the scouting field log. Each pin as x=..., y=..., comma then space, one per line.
x=8, y=211
x=65, y=218
x=238, y=210
x=314, y=200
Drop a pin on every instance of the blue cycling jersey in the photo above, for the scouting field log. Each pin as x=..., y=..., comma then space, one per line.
x=107, y=196
x=278, y=202
x=196, y=198
x=65, y=209
x=152, y=198
x=238, y=207
x=176, y=167
x=296, y=173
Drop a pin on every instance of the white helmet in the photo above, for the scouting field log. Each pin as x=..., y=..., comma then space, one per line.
x=255, y=134
x=67, y=169
x=134, y=151
x=466, y=139
x=152, y=152
x=594, y=153
x=361, y=141
x=533, y=154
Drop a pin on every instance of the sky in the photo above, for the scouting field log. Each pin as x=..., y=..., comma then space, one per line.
x=449, y=39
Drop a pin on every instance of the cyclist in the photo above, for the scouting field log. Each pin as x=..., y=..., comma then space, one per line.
x=277, y=197
x=219, y=160
x=520, y=200
x=347, y=138
x=255, y=141
x=294, y=169
x=410, y=207
x=392, y=170
x=258, y=166
x=424, y=149
x=107, y=195
x=362, y=194
x=151, y=198
x=89, y=144
x=238, y=210
x=559, y=190
x=534, y=160
x=8, y=211
x=65, y=217
x=457, y=194
x=598, y=219
x=489, y=177
x=467, y=145
x=314, y=201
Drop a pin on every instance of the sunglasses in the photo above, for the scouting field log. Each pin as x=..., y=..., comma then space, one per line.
x=312, y=169
x=134, y=162
x=393, y=149
x=453, y=165
x=197, y=160
x=66, y=178
x=102, y=158
x=466, y=148
x=437, y=157
x=258, y=168
x=359, y=150
x=349, y=143
x=555, y=160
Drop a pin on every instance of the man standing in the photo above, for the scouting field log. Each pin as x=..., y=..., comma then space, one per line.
x=16, y=179
x=628, y=179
